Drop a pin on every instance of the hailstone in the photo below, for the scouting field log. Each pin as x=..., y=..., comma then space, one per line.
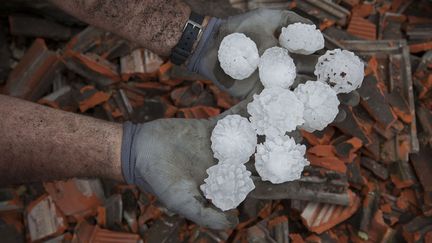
x=276, y=68
x=275, y=111
x=233, y=139
x=320, y=104
x=301, y=38
x=280, y=159
x=227, y=185
x=341, y=69
x=238, y=56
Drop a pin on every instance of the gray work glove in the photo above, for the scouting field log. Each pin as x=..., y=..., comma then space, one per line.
x=169, y=158
x=262, y=26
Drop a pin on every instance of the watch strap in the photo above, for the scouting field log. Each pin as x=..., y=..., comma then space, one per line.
x=191, y=31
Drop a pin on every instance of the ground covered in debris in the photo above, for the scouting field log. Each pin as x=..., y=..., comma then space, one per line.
x=370, y=175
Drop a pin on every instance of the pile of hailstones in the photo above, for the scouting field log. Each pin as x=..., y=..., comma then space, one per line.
x=275, y=111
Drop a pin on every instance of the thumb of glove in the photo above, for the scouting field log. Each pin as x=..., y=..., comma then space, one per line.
x=184, y=198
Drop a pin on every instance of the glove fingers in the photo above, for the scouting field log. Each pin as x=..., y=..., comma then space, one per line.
x=351, y=99
x=340, y=117
x=289, y=17
x=305, y=64
x=184, y=198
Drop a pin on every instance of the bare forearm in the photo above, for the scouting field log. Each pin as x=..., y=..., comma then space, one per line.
x=155, y=24
x=38, y=143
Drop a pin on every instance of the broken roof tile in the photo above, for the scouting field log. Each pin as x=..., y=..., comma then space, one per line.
x=363, y=10
x=223, y=99
x=322, y=150
x=319, y=137
x=91, y=97
x=379, y=230
x=44, y=219
x=331, y=163
x=323, y=10
x=33, y=75
x=76, y=197
x=141, y=63
x=400, y=106
x=198, y=112
x=94, y=234
x=373, y=100
x=346, y=150
x=352, y=125
x=402, y=176
x=376, y=168
x=420, y=47
x=95, y=68
x=423, y=167
x=319, y=217
x=362, y=28
x=296, y=238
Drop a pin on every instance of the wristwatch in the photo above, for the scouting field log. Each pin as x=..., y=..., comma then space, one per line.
x=191, y=32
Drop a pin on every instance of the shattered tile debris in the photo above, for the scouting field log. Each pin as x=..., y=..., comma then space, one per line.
x=370, y=174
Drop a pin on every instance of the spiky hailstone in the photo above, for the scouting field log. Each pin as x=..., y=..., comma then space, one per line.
x=276, y=68
x=238, y=56
x=275, y=111
x=341, y=69
x=280, y=159
x=233, y=138
x=301, y=38
x=227, y=185
x=320, y=104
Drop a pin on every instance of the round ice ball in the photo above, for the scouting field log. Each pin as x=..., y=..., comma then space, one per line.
x=238, y=56
x=341, y=69
x=280, y=159
x=301, y=38
x=275, y=111
x=233, y=139
x=320, y=104
x=227, y=185
x=276, y=68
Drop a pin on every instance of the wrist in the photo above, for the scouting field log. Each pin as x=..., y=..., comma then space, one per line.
x=200, y=34
x=191, y=31
x=208, y=34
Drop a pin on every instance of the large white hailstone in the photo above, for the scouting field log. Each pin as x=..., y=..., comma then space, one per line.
x=301, y=38
x=341, y=69
x=227, y=185
x=233, y=138
x=280, y=159
x=276, y=68
x=238, y=56
x=320, y=104
x=275, y=111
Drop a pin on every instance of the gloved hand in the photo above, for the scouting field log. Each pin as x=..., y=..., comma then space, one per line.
x=262, y=26
x=169, y=158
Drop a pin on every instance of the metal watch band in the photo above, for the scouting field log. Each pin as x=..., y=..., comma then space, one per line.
x=182, y=50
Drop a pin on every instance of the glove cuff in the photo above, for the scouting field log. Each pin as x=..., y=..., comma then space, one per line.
x=208, y=34
x=128, y=163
